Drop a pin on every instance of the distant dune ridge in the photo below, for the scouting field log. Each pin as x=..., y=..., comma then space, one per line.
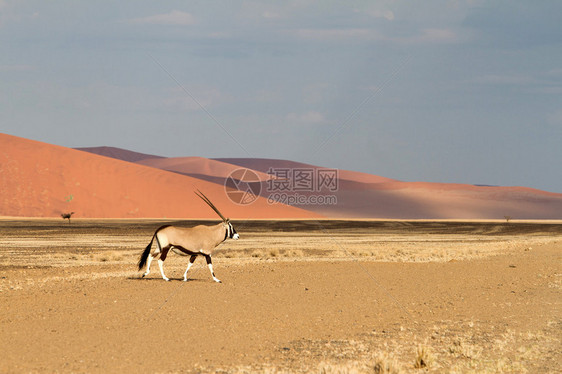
x=198, y=167
x=118, y=153
x=43, y=180
x=264, y=164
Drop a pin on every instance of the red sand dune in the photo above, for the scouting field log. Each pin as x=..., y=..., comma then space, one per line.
x=197, y=166
x=43, y=180
x=39, y=179
x=415, y=200
x=264, y=164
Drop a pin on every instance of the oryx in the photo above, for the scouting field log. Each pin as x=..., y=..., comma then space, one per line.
x=194, y=241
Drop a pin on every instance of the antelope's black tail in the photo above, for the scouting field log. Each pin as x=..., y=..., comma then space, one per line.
x=144, y=256
x=146, y=252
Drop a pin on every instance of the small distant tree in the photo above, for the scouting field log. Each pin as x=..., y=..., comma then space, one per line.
x=67, y=216
x=507, y=218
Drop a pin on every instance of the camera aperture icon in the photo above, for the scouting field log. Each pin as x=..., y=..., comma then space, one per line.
x=242, y=186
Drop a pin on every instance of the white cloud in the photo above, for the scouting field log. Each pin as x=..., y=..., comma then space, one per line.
x=336, y=34
x=268, y=96
x=256, y=10
x=177, y=98
x=510, y=79
x=546, y=90
x=318, y=93
x=14, y=68
x=542, y=83
x=270, y=14
x=220, y=35
x=438, y=36
x=425, y=36
x=9, y=14
x=310, y=117
x=175, y=17
x=555, y=119
x=379, y=13
x=428, y=36
x=554, y=72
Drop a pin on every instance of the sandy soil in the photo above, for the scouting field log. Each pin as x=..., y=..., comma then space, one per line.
x=297, y=296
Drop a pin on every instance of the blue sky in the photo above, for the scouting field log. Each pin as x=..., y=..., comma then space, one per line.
x=437, y=91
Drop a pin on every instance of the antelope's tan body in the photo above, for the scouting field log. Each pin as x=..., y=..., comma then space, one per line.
x=194, y=240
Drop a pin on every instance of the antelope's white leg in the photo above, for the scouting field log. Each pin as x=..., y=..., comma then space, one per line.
x=210, y=265
x=186, y=270
x=191, y=261
x=148, y=261
x=160, y=264
x=213, y=274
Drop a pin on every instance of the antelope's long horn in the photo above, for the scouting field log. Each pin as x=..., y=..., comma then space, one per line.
x=206, y=199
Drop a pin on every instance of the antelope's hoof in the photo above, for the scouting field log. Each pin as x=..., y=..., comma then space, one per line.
x=167, y=279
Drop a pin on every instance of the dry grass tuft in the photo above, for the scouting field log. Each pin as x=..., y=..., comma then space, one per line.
x=424, y=358
x=350, y=368
x=462, y=349
x=294, y=253
x=386, y=365
x=270, y=253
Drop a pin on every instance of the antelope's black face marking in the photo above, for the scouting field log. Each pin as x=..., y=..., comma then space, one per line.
x=230, y=232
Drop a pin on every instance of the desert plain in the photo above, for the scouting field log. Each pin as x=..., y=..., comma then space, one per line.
x=329, y=296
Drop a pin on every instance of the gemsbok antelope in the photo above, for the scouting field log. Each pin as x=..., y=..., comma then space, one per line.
x=194, y=241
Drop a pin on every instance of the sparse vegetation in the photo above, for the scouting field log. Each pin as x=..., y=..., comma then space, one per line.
x=462, y=349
